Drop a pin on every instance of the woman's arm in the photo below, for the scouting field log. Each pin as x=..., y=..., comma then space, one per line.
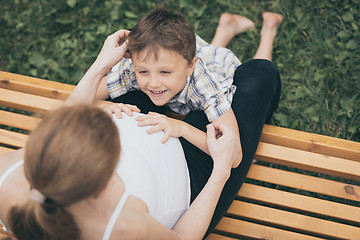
x=224, y=147
x=111, y=53
x=229, y=119
x=102, y=92
x=8, y=159
x=92, y=87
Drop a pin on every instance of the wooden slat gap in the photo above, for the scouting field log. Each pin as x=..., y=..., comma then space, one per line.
x=269, y=221
x=298, y=211
x=311, y=142
x=308, y=173
x=306, y=193
x=261, y=175
x=256, y=231
x=308, y=161
x=289, y=200
x=274, y=225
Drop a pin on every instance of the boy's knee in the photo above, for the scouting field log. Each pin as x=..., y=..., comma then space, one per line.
x=255, y=74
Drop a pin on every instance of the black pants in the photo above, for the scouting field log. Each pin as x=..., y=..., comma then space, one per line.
x=257, y=96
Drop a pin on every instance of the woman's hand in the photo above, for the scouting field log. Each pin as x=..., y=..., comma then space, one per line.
x=113, y=50
x=172, y=127
x=116, y=108
x=224, y=146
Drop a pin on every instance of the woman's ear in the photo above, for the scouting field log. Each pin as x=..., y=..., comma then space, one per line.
x=192, y=66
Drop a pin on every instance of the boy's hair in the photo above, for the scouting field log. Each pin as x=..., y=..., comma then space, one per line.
x=161, y=28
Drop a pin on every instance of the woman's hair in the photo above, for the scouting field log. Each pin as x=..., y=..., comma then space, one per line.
x=161, y=28
x=69, y=157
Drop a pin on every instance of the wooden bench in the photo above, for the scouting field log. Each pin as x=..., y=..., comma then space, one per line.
x=303, y=185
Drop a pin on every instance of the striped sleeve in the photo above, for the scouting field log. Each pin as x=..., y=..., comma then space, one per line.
x=121, y=79
x=211, y=95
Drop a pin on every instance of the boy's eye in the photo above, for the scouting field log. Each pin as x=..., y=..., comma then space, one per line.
x=143, y=72
x=165, y=72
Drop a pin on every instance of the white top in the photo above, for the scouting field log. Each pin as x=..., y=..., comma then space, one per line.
x=111, y=223
x=154, y=172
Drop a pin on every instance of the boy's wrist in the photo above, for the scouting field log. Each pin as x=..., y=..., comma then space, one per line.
x=185, y=129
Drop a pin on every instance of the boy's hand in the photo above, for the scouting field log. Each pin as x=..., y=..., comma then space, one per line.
x=171, y=127
x=117, y=108
x=224, y=146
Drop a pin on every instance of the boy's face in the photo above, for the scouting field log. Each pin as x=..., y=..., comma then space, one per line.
x=164, y=77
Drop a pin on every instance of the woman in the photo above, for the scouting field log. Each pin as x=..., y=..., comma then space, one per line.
x=71, y=184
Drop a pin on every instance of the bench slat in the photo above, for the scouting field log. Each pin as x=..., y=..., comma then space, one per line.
x=308, y=161
x=18, y=120
x=299, y=202
x=5, y=150
x=13, y=138
x=27, y=102
x=311, y=142
x=293, y=221
x=35, y=86
x=215, y=236
x=304, y=182
x=257, y=231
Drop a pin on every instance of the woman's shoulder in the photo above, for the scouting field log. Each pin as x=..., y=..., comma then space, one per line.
x=140, y=225
x=9, y=159
x=131, y=225
x=14, y=187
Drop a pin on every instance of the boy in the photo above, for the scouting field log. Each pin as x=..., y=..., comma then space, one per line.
x=177, y=69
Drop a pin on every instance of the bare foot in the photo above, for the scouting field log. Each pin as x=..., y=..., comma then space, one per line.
x=235, y=23
x=271, y=21
x=229, y=26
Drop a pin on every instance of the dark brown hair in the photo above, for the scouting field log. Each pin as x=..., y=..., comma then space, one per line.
x=161, y=28
x=69, y=157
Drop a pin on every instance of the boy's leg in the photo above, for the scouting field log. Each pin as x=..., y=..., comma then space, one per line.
x=229, y=26
x=271, y=22
x=256, y=97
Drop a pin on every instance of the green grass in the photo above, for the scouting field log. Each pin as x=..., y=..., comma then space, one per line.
x=317, y=48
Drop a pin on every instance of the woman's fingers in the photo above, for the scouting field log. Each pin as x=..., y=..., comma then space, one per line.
x=210, y=133
x=224, y=148
x=120, y=36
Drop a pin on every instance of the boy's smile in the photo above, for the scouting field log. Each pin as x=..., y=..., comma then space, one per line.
x=163, y=77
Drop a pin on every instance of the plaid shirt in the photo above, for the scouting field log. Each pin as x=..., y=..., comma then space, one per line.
x=208, y=89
